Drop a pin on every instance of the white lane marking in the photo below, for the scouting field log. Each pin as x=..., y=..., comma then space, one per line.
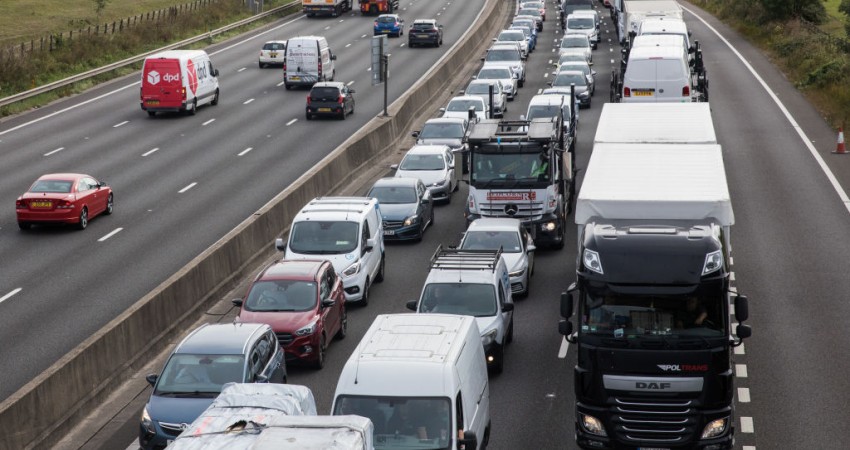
x=341, y=20
x=731, y=276
x=739, y=350
x=207, y=122
x=741, y=370
x=439, y=14
x=245, y=151
x=119, y=124
x=550, y=61
x=249, y=100
x=803, y=137
x=281, y=83
x=369, y=69
x=546, y=75
x=347, y=45
x=553, y=50
x=361, y=37
x=10, y=294
x=240, y=70
x=111, y=233
x=186, y=188
x=562, y=351
x=540, y=91
x=747, y=425
x=402, y=45
x=328, y=27
x=744, y=395
x=150, y=151
x=349, y=83
x=749, y=447
x=291, y=122
x=54, y=151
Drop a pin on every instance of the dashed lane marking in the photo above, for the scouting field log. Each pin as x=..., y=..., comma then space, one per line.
x=248, y=101
x=240, y=70
x=119, y=124
x=747, y=425
x=291, y=122
x=744, y=395
x=207, y=122
x=245, y=151
x=562, y=351
x=110, y=234
x=151, y=151
x=741, y=370
x=10, y=294
x=54, y=151
x=187, y=188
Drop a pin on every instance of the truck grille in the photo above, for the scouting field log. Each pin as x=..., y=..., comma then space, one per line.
x=524, y=210
x=284, y=338
x=662, y=422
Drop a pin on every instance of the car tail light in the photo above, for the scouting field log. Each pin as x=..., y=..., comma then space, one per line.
x=320, y=70
x=20, y=204
x=63, y=204
x=340, y=99
x=309, y=99
x=376, y=24
x=686, y=91
x=284, y=66
x=627, y=92
x=183, y=93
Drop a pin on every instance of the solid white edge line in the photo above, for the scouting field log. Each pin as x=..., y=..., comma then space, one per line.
x=150, y=151
x=806, y=141
x=747, y=425
x=119, y=124
x=110, y=234
x=54, y=151
x=187, y=188
x=291, y=122
x=207, y=122
x=281, y=83
x=744, y=395
x=565, y=345
x=10, y=294
x=245, y=151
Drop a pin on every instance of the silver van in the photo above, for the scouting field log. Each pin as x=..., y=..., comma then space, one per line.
x=657, y=74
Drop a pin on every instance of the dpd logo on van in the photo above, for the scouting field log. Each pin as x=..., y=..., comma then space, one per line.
x=193, y=76
x=153, y=77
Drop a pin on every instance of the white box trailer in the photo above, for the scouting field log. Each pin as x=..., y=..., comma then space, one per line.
x=634, y=11
x=659, y=123
x=651, y=181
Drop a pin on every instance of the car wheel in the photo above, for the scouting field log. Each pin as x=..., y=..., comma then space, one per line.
x=510, y=336
x=343, y=327
x=110, y=205
x=520, y=83
x=151, y=113
x=194, y=108
x=364, y=300
x=527, y=290
x=24, y=225
x=84, y=219
x=319, y=364
x=498, y=360
x=342, y=114
x=379, y=278
x=215, y=99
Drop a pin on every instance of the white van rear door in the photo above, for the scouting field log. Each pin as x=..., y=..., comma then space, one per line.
x=671, y=81
x=302, y=61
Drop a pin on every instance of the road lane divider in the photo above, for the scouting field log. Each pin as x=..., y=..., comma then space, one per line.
x=10, y=295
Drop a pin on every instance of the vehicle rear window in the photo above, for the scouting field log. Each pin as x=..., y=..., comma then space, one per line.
x=641, y=70
x=508, y=241
x=423, y=27
x=466, y=299
x=464, y=105
x=274, y=46
x=281, y=296
x=495, y=73
x=581, y=23
x=529, y=12
x=566, y=79
x=393, y=195
x=441, y=131
x=62, y=186
x=324, y=93
x=574, y=41
x=386, y=19
x=503, y=55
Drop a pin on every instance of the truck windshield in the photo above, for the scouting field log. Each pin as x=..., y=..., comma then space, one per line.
x=492, y=168
x=323, y=238
x=466, y=299
x=403, y=422
x=610, y=314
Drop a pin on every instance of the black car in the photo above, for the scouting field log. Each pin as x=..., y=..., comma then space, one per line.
x=425, y=32
x=406, y=207
x=330, y=98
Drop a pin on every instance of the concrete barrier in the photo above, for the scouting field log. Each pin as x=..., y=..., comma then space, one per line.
x=40, y=413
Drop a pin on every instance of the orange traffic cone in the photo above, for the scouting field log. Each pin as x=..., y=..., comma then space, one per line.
x=839, y=148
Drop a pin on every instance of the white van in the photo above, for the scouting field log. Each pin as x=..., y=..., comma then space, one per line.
x=308, y=60
x=422, y=380
x=662, y=40
x=472, y=283
x=348, y=232
x=657, y=74
x=665, y=25
x=178, y=80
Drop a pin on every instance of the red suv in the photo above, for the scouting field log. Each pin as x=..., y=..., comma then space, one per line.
x=304, y=303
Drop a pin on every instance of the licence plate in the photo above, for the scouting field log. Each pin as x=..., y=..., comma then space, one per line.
x=324, y=110
x=424, y=36
x=389, y=232
x=295, y=78
x=41, y=204
x=152, y=102
x=272, y=55
x=643, y=94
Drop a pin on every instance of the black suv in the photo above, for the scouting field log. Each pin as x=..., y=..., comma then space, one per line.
x=425, y=31
x=330, y=98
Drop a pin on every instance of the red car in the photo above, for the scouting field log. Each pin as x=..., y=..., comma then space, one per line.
x=304, y=303
x=72, y=198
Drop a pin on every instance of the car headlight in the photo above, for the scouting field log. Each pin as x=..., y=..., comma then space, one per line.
x=713, y=262
x=592, y=261
x=351, y=270
x=548, y=226
x=438, y=183
x=517, y=273
x=471, y=205
x=411, y=220
x=147, y=423
x=307, y=329
x=592, y=425
x=715, y=428
x=489, y=337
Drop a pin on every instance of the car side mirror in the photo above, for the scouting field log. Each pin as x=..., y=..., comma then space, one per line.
x=507, y=307
x=260, y=378
x=328, y=302
x=451, y=166
x=415, y=134
x=468, y=442
x=515, y=76
x=411, y=305
x=394, y=166
x=151, y=379
x=237, y=302
x=215, y=72
x=742, y=308
x=280, y=244
x=370, y=245
x=442, y=110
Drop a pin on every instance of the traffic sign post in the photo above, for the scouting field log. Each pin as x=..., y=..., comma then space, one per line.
x=380, y=65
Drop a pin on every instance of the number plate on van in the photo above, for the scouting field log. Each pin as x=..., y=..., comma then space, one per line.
x=152, y=102
x=643, y=93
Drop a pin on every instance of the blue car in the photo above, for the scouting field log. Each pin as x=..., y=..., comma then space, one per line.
x=389, y=24
x=406, y=207
x=530, y=31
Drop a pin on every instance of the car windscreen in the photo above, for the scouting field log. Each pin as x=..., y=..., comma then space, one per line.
x=466, y=299
x=511, y=36
x=581, y=23
x=324, y=94
x=501, y=55
x=481, y=89
x=508, y=241
x=281, y=296
x=310, y=237
x=59, y=186
x=199, y=375
x=393, y=195
x=529, y=12
x=423, y=162
x=584, y=68
x=571, y=57
x=416, y=423
x=568, y=78
x=574, y=42
x=464, y=105
x=494, y=73
x=441, y=131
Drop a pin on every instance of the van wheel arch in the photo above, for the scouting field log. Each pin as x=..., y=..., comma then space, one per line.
x=215, y=98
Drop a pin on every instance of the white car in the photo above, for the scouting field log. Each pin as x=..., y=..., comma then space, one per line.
x=583, y=24
x=481, y=88
x=516, y=244
x=576, y=43
x=503, y=75
x=459, y=107
x=272, y=53
x=434, y=165
x=514, y=36
x=507, y=55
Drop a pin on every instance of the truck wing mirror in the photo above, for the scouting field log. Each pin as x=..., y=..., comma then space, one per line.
x=742, y=308
x=411, y=305
x=743, y=331
x=566, y=305
x=280, y=244
x=565, y=327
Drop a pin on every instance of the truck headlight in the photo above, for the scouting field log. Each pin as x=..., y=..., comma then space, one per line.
x=351, y=270
x=307, y=330
x=411, y=220
x=713, y=262
x=489, y=337
x=715, y=428
x=147, y=423
x=592, y=261
x=592, y=425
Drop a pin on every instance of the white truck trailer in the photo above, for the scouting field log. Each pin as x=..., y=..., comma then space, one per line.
x=634, y=11
x=660, y=123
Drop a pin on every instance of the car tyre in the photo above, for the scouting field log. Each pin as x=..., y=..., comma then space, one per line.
x=343, y=328
x=24, y=225
x=510, y=336
x=364, y=300
x=499, y=363
x=151, y=113
x=110, y=205
x=84, y=219
x=262, y=66
x=379, y=278
x=287, y=86
x=215, y=99
x=319, y=363
x=309, y=116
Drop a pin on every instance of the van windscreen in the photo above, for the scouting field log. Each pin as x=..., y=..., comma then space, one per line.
x=323, y=237
x=403, y=422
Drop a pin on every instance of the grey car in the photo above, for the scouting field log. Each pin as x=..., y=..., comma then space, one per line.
x=330, y=98
x=584, y=67
x=406, y=207
x=564, y=78
x=504, y=75
x=481, y=88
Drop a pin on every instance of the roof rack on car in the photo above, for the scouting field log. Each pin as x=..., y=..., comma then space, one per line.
x=457, y=259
